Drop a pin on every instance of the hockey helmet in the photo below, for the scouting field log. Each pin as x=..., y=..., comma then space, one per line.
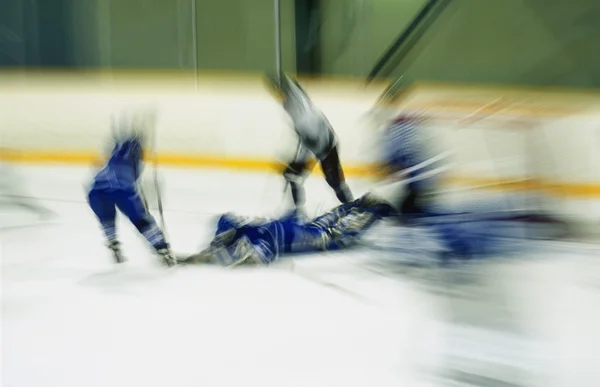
x=285, y=87
x=134, y=123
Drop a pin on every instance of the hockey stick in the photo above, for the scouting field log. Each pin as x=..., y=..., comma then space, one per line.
x=159, y=199
x=154, y=154
x=287, y=182
x=277, y=24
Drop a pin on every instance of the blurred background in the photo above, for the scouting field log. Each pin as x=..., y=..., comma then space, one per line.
x=533, y=42
x=495, y=324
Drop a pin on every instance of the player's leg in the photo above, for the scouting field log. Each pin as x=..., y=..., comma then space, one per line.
x=251, y=243
x=330, y=218
x=103, y=206
x=265, y=242
x=229, y=229
x=130, y=203
x=246, y=251
x=243, y=250
x=348, y=222
x=294, y=174
x=334, y=175
x=412, y=205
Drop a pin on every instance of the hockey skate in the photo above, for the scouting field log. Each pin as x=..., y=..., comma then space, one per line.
x=166, y=257
x=115, y=248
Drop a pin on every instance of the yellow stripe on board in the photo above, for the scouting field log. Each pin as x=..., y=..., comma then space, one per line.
x=565, y=190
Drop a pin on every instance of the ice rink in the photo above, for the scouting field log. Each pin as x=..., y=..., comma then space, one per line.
x=71, y=318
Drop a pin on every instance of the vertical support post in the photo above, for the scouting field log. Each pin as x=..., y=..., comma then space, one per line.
x=31, y=33
x=195, y=41
x=308, y=39
x=104, y=27
x=277, y=24
x=54, y=31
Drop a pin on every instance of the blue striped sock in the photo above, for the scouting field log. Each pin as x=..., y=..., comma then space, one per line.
x=155, y=236
x=110, y=231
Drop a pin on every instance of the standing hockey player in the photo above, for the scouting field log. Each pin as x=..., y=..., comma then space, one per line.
x=115, y=187
x=316, y=138
x=409, y=155
x=408, y=158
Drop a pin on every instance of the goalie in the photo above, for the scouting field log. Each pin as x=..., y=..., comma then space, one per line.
x=115, y=187
x=243, y=241
x=461, y=235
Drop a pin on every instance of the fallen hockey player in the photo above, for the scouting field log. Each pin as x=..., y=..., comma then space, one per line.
x=459, y=235
x=243, y=241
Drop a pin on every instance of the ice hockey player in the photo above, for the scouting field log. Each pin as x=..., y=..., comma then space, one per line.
x=115, y=187
x=316, y=138
x=242, y=241
x=247, y=241
x=409, y=155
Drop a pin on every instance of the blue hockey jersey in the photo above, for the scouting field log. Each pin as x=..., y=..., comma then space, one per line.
x=123, y=168
x=404, y=149
x=334, y=230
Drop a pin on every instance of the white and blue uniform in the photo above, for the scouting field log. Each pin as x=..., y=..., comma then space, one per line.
x=315, y=133
x=462, y=230
x=317, y=139
x=242, y=240
x=406, y=152
x=123, y=168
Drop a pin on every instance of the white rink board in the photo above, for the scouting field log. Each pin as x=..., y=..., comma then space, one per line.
x=496, y=134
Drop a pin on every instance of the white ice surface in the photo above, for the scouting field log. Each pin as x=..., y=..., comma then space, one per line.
x=70, y=318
